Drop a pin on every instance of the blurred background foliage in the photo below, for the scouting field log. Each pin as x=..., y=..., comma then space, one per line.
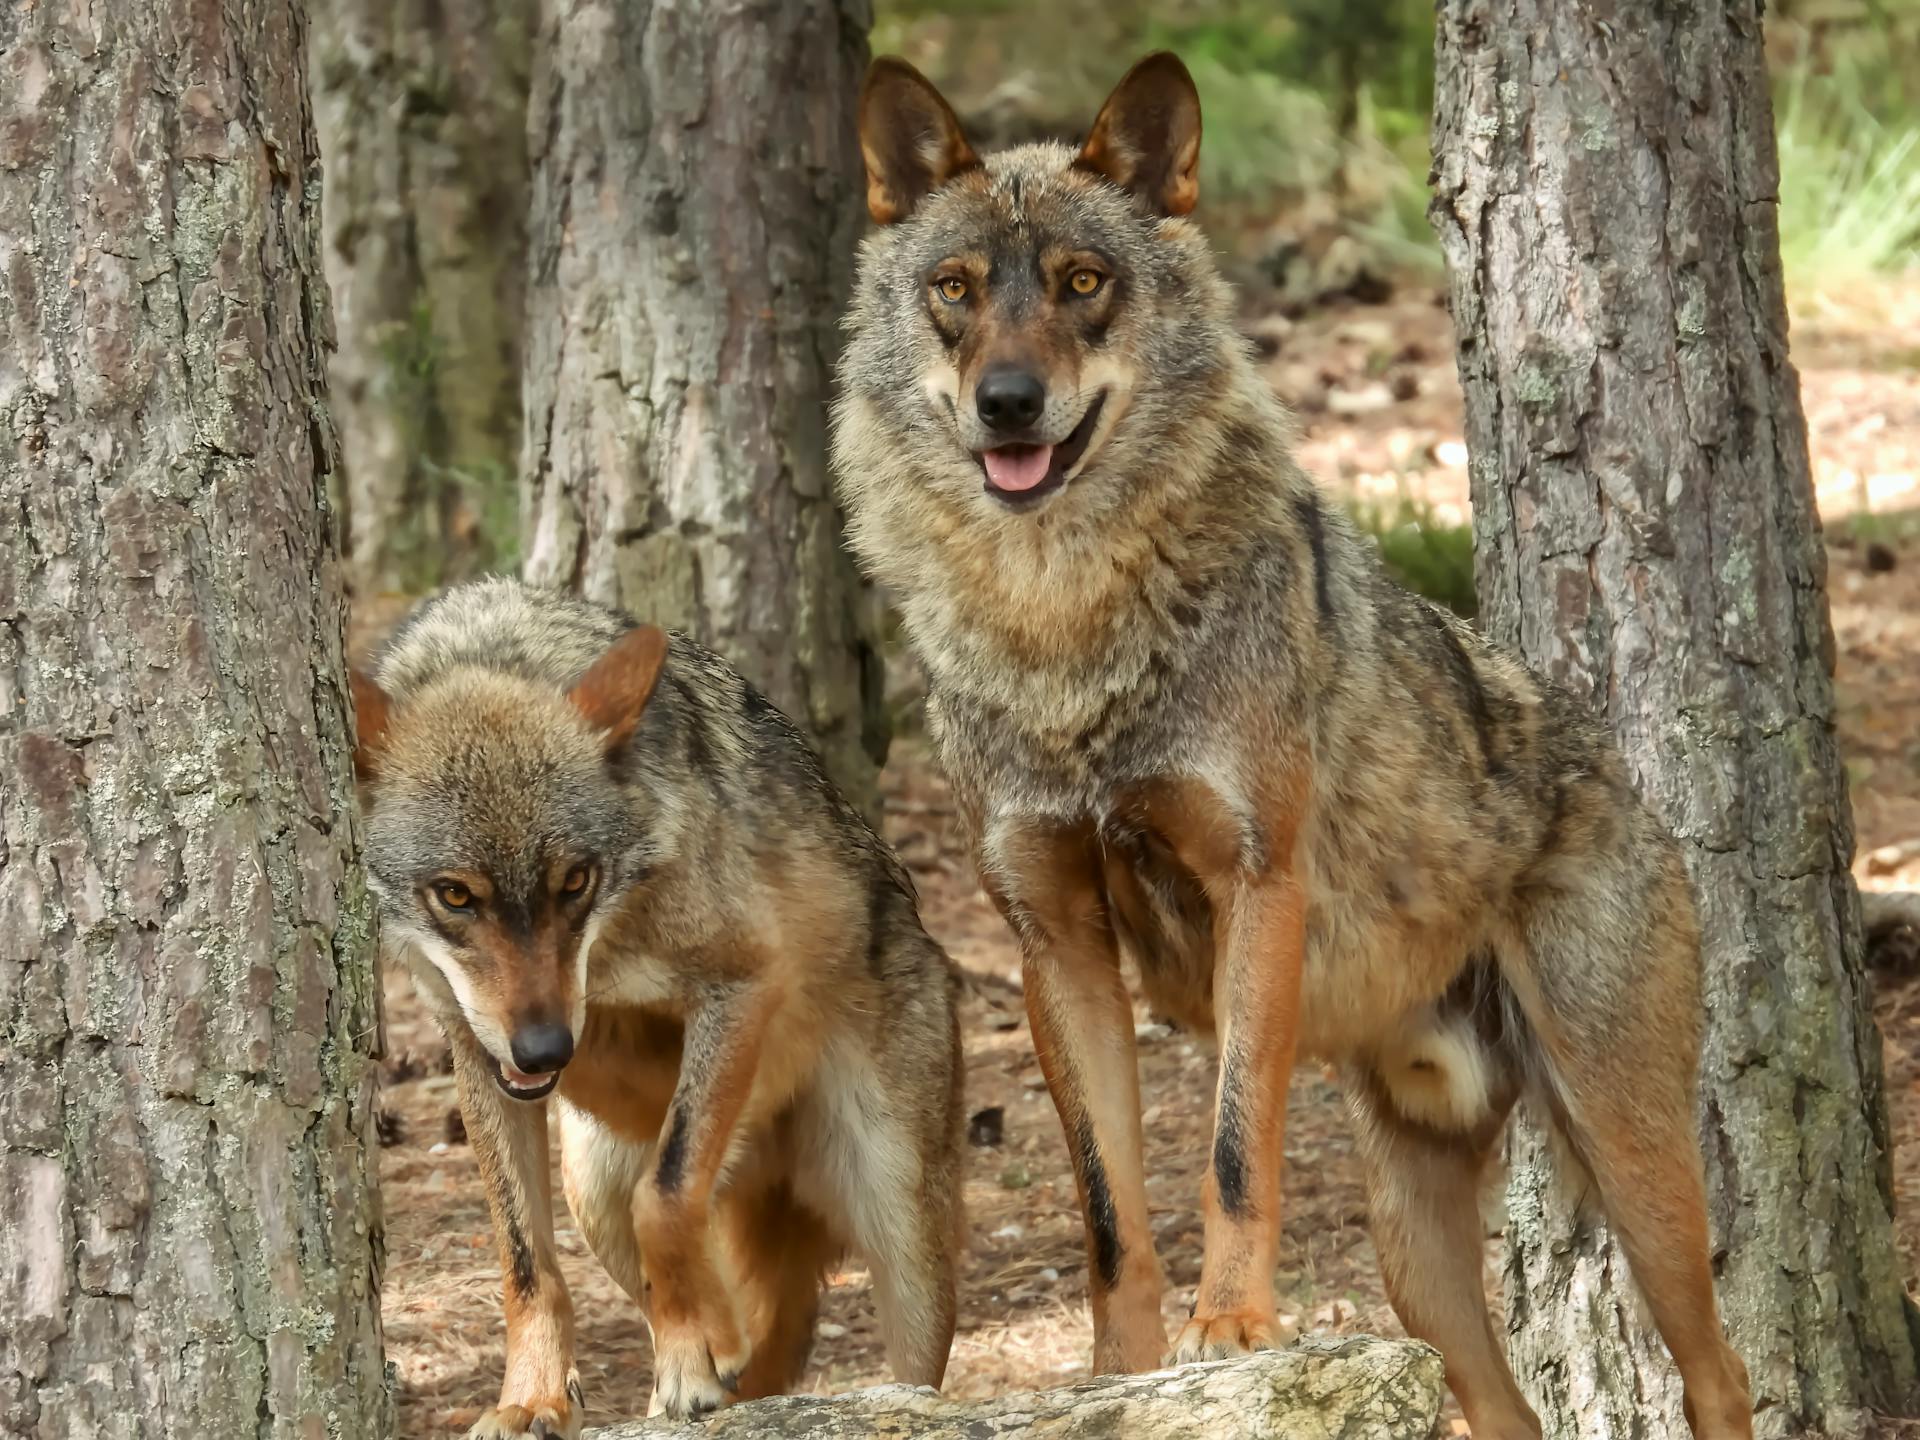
x=1315, y=159
x=1317, y=115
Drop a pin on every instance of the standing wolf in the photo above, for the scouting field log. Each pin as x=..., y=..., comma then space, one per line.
x=624, y=881
x=1184, y=711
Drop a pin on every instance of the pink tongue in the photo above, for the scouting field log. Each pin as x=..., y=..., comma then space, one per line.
x=1018, y=467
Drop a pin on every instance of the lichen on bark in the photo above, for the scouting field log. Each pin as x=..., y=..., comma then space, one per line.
x=188, y=1004
x=1606, y=193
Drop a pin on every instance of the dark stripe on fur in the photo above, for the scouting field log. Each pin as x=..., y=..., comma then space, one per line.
x=1230, y=1153
x=879, y=889
x=520, y=1256
x=1307, y=507
x=1466, y=679
x=1102, y=1221
x=673, y=1154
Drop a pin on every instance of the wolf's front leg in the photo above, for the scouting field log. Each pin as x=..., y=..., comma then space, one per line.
x=1045, y=879
x=541, y=1394
x=699, y=1345
x=1262, y=929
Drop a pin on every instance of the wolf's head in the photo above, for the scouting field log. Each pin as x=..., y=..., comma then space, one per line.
x=499, y=836
x=1031, y=324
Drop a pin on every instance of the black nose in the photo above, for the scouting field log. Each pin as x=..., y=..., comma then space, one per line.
x=541, y=1049
x=1010, y=399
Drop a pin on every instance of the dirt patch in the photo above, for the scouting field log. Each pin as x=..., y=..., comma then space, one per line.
x=1381, y=416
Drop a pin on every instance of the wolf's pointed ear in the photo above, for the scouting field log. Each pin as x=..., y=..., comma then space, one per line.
x=371, y=710
x=910, y=139
x=618, y=685
x=1147, y=139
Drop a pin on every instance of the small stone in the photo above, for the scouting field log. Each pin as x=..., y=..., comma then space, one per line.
x=1015, y=1177
x=1880, y=558
x=1050, y=1275
x=828, y=1330
x=1152, y=1031
x=1367, y=400
x=439, y=1147
x=389, y=1128
x=1008, y=1232
x=987, y=1127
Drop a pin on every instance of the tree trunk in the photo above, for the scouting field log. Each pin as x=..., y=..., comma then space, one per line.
x=696, y=201
x=421, y=106
x=188, y=1230
x=1646, y=535
x=1327, y=1387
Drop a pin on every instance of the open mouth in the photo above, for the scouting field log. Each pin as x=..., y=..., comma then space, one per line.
x=1019, y=476
x=522, y=1086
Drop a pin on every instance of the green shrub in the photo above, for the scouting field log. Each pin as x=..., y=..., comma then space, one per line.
x=1427, y=556
x=1849, y=187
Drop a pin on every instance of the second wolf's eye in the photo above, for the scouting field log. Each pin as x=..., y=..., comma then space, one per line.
x=952, y=289
x=454, y=895
x=577, y=879
x=1084, y=282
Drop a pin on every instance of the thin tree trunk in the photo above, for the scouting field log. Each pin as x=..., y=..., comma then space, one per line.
x=695, y=208
x=188, y=1230
x=421, y=110
x=1646, y=534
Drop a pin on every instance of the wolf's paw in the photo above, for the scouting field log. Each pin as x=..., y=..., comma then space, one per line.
x=559, y=1421
x=1224, y=1334
x=689, y=1379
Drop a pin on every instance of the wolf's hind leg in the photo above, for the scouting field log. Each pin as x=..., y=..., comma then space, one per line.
x=1423, y=1192
x=1610, y=982
x=891, y=1181
x=915, y=1281
x=778, y=1253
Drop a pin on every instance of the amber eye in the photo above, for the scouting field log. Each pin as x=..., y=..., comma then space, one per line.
x=577, y=880
x=454, y=895
x=952, y=289
x=1084, y=282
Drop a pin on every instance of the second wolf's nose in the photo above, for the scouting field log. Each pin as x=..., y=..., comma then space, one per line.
x=1010, y=399
x=541, y=1049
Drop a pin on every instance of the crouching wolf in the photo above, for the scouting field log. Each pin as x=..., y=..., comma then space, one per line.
x=1186, y=714
x=625, y=883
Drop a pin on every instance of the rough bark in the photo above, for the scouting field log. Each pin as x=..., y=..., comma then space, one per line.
x=1323, y=1388
x=421, y=107
x=696, y=201
x=1606, y=191
x=188, y=1230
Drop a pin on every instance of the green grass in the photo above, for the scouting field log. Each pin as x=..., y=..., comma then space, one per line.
x=1849, y=188
x=1428, y=557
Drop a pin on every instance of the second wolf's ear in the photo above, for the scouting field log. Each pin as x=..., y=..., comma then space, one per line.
x=618, y=685
x=910, y=139
x=371, y=709
x=1147, y=139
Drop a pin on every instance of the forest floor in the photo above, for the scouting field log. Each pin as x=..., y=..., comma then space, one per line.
x=1380, y=407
